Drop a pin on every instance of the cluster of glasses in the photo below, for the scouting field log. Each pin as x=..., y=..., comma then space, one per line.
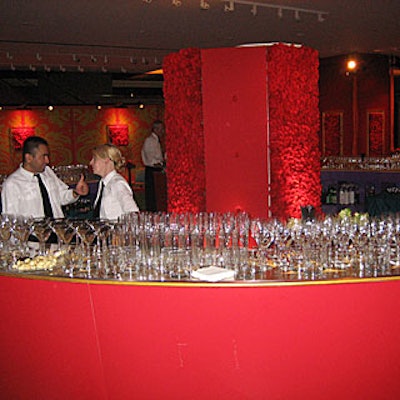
x=168, y=246
x=70, y=174
x=391, y=162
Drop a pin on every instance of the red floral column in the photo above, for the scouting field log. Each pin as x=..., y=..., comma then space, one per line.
x=184, y=131
x=290, y=106
x=294, y=123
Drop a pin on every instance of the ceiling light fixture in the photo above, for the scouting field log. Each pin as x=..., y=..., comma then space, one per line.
x=204, y=5
x=176, y=3
x=229, y=5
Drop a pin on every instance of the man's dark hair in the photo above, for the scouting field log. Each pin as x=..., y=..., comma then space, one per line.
x=31, y=144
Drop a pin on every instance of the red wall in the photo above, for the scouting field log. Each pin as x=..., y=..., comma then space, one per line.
x=72, y=132
x=235, y=135
x=373, y=94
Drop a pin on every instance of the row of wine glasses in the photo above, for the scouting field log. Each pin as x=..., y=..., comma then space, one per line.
x=170, y=246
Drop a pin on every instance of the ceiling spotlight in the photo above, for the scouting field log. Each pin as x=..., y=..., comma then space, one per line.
x=98, y=106
x=12, y=67
x=103, y=69
x=133, y=60
x=280, y=13
x=93, y=59
x=176, y=3
x=32, y=67
x=62, y=69
x=47, y=68
x=254, y=9
x=9, y=55
x=204, y=5
x=351, y=65
x=38, y=57
x=297, y=15
x=147, y=1
x=123, y=70
x=50, y=108
x=105, y=59
x=141, y=106
x=80, y=68
x=229, y=7
x=144, y=61
x=321, y=18
x=75, y=58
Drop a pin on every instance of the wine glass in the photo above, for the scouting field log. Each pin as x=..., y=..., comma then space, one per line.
x=63, y=230
x=22, y=228
x=42, y=230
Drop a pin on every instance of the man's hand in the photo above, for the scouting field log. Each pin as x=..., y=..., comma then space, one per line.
x=82, y=188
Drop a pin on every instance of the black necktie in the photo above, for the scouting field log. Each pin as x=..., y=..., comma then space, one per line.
x=48, y=211
x=96, y=211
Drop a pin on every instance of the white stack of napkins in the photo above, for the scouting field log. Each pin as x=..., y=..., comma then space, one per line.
x=213, y=274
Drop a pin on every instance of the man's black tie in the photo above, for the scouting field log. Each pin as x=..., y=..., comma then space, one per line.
x=48, y=211
x=96, y=211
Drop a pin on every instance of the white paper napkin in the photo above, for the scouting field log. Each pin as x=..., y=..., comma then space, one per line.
x=213, y=274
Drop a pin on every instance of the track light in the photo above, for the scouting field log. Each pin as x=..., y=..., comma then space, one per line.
x=229, y=7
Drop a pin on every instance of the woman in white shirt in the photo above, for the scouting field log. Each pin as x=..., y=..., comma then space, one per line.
x=116, y=198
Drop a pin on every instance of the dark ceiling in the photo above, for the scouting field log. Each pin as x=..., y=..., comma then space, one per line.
x=88, y=52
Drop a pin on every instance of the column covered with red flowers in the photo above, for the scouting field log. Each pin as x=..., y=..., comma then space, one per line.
x=262, y=125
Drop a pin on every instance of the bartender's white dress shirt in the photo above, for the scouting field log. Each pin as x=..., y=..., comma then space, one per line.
x=117, y=197
x=151, y=151
x=20, y=194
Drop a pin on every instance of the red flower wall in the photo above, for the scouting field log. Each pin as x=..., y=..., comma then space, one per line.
x=294, y=124
x=184, y=136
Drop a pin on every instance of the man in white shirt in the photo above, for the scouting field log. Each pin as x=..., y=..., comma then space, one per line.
x=21, y=193
x=153, y=161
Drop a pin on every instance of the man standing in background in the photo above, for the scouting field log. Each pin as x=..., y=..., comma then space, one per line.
x=153, y=161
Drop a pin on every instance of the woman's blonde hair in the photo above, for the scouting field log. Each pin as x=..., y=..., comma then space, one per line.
x=112, y=152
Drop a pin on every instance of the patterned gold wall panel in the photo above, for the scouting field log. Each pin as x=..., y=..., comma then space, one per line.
x=72, y=132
